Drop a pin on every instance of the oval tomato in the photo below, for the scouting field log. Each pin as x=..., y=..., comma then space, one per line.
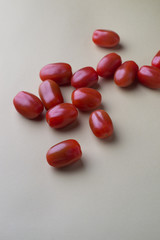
x=126, y=74
x=61, y=115
x=86, y=99
x=64, y=153
x=149, y=76
x=156, y=60
x=61, y=73
x=85, y=77
x=108, y=65
x=50, y=94
x=28, y=105
x=105, y=38
x=101, y=124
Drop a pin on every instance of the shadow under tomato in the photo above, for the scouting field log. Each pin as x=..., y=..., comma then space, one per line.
x=96, y=86
x=151, y=89
x=70, y=127
x=65, y=85
x=101, y=106
x=131, y=87
x=74, y=167
x=41, y=117
x=111, y=139
x=108, y=80
x=119, y=47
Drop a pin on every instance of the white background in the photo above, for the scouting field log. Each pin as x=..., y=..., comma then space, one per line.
x=113, y=193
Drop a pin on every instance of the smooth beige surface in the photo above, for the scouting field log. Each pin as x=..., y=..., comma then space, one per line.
x=114, y=192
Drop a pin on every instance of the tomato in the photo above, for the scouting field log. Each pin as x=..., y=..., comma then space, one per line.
x=101, y=124
x=28, y=105
x=61, y=73
x=64, y=153
x=61, y=115
x=50, y=94
x=108, y=65
x=156, y=60
x=149, y=76
x=85, y=77
x=126, y=74
x=86, y=99
x=105, y=38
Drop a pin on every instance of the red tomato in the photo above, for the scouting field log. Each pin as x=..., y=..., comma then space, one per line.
x=61, y=115
x=28, y=105
x=126, y=74
x=101, y=124
x=108, y=65
x=50, y=94
x=105, y=38
x=61, y=73
x=86, y=99
x=64, y=153
x=149, y=76
x=156, y=60
x=85, y=77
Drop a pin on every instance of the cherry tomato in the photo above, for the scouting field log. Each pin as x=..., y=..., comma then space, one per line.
x=101, y=124
x=126, y=74
x=28, y=105
x=64, y=153
x=149, y=76
x=156, y=60
x=50, y=94
x=108, y=65
x=85, y=77
x=61, y=115
x=105, y=38
x=61, y=73
x=86, y=99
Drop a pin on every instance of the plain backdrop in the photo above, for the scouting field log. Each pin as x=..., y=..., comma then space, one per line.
x=113, y=193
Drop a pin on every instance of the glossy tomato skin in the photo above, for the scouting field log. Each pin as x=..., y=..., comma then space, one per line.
x=126, y=74
x=28, y=105
x=101, y=124
x=50, y=94
x=61, y=73
x=108, y=65
x=149, y=76
x=61, y=115
x=85, y=77
x=156, y=60
x=64, y=153
x=86, y=99
x=105, y=38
